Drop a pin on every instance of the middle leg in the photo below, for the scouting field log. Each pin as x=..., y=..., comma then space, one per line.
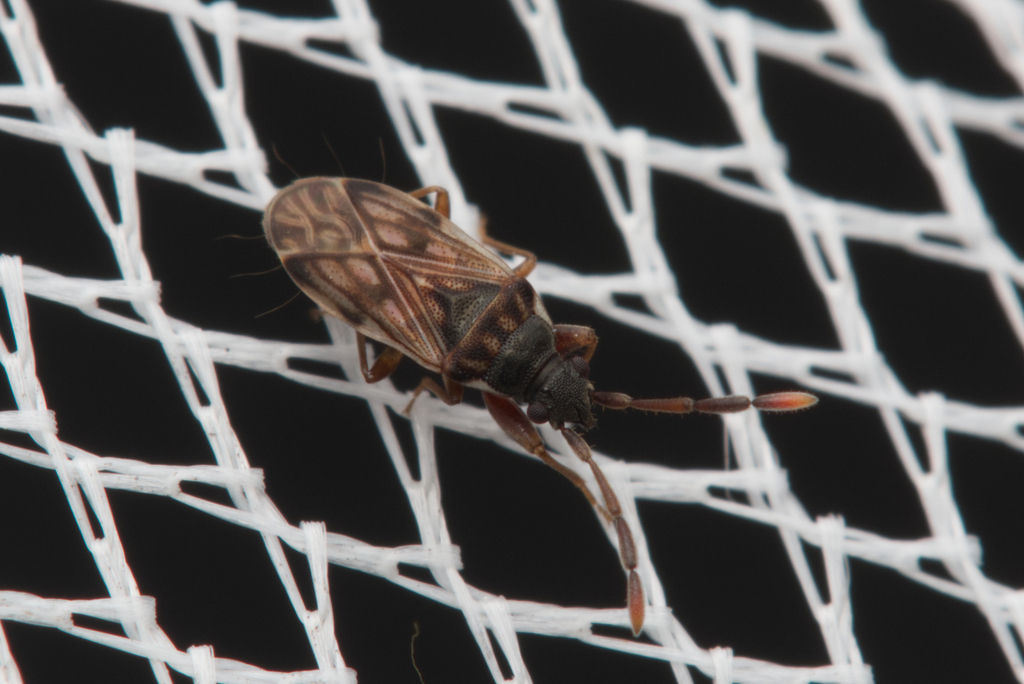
x=450, y=394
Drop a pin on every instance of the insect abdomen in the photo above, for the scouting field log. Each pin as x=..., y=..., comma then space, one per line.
x=507, y=345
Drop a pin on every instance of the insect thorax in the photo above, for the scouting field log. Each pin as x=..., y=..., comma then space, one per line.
x=510, y=350
x=507, y=345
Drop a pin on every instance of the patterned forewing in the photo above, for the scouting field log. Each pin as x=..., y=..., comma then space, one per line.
x=456, y=278
x=384, y=263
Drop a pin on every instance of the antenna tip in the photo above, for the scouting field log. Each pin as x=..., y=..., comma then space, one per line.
x=785, y=401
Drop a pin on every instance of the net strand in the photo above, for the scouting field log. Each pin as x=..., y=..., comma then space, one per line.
x=729, y=43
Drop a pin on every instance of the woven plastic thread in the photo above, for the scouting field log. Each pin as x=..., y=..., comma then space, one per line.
x=729, y=42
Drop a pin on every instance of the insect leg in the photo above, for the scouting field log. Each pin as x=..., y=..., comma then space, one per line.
x=575, y=340
x=522, y=270
x=627, y=549
x=780, y=401
x=516, y=425
x=513, y=421
x=385, y=364
x=450, y=394
x=441, y=204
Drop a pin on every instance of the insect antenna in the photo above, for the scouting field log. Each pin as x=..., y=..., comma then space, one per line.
x=780, y=401
x=383, y=160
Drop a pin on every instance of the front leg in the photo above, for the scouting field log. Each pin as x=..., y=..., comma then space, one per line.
x=575, y=340
x=511, y=419
x=516, y=425
x=635, y=601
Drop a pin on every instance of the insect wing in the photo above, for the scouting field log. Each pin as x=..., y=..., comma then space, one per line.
x=384, y=263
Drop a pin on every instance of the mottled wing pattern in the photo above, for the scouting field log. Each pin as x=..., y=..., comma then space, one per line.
x=383, y=262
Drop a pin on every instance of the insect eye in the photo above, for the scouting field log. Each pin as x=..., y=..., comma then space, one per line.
x=580, y=365
x=537, y=413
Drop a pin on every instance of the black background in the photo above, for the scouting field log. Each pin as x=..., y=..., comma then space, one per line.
x=523, y=531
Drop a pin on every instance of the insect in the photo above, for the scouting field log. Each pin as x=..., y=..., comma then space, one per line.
x=403, y=274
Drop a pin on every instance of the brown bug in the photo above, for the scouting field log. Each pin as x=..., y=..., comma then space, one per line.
x=403, y=274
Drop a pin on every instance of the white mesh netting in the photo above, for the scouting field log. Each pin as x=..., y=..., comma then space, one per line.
x=847, y=548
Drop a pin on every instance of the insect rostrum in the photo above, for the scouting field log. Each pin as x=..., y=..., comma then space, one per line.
x=403, y=274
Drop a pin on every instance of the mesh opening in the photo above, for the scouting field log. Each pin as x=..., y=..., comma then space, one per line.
x=730, y=194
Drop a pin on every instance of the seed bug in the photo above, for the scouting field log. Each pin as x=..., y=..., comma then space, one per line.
x=404, y=275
